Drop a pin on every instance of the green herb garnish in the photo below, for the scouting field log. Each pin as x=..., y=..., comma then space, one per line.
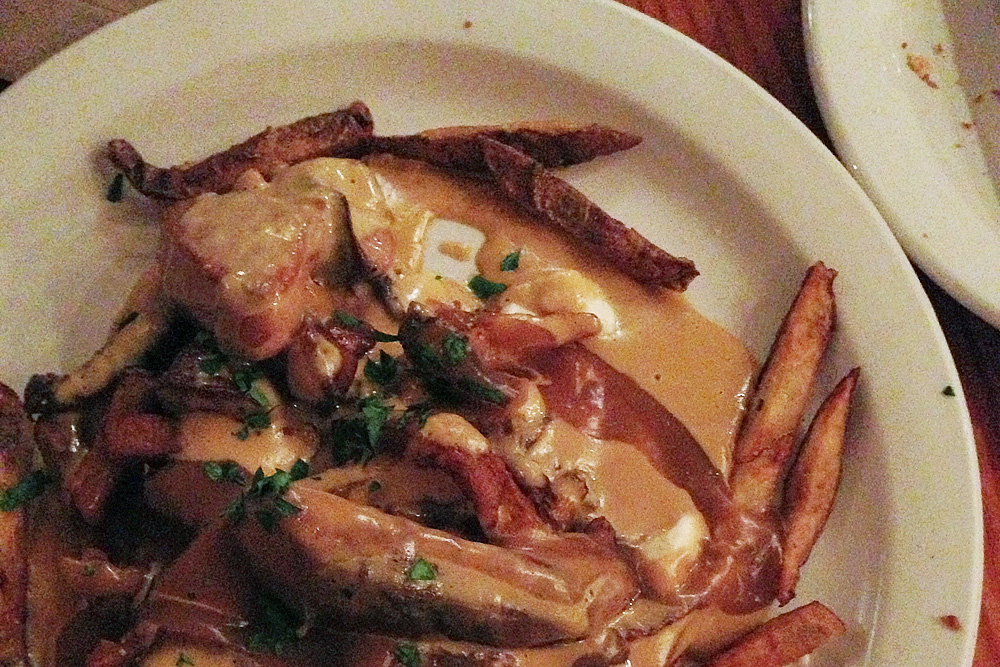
x=30, y=487
x=485, y=288
x=117, y=189
x=408, y=655
x=948, y=391
x=258, y=421
x=183, y=660
x=224, y=471
x=511, y=261
x=348, y=320
x=455, y=348
x=352, y=322
x=89, y=570
x=374, y=486
x=422, y=570
x=384, y=371
x=276, y=626
x=264, y=496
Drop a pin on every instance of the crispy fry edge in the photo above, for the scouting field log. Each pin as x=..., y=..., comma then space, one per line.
x=784, y=639
x=339, y=133
x=812, y=484
x=551, y=144
x=766, y=443
x=563, y=207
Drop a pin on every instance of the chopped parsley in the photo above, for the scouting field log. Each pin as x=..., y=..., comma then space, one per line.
x=455, y=348
x=485, y=288
x=253, y=423
x=30, y=487
x=408, y=655
x=224, y=471
x=258, y=395
x=264, y=494
x=511, y=261
x=89, y=569
x=117, y=189
x=948, y=391
x=352, y=322
x=422, y=570
x=276, y=627
x=384, y=371
x=374, y=486
x=348, y=320
x=213, y=364
x=184, y=660
x=482, y=390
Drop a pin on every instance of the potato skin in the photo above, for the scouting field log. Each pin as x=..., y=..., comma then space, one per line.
x=15, y=461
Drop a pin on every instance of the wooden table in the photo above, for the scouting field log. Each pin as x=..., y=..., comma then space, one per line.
x=764, y=39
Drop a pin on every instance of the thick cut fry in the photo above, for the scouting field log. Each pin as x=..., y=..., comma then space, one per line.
x=551, y=144
x=765, y=446
x=812, y=484
x=336, y=134
x=784, y=639
x=124, y=348
x=557, y=203
x=15, y=460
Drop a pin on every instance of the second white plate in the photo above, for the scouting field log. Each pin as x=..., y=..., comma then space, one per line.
x=910, y=93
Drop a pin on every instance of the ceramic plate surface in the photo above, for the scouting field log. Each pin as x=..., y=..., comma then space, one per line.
x=910, y=92
x=725, y=176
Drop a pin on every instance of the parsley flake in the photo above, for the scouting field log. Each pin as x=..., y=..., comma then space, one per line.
x=422, y=570
x=30, y=487
x=485, y=288
x=224, y=471
x=117, y=189
x=455, y=348
x=384, y=371
x=89, y=570
x=948, y=391
x=258, y=421
x=347, y=319
x=374, y=486
x=264, y=494
x=408, y=655
x=183, y=660
x=511, y=261
x=276, y=628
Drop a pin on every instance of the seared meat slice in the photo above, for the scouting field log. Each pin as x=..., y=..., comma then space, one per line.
x=355, y=566
x=552, y=144
x=242, y=262
x=331, y=134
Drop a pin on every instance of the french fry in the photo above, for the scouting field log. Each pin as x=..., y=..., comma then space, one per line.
x=339, y=133
x=812, y=484
x=765, y=446
x=784, y=639
x=566, y=209
x=15, y=462
x=552, y=144
x=124, y=348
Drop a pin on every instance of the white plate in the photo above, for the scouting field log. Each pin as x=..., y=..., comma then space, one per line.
x=928, y=157
x=726, y=176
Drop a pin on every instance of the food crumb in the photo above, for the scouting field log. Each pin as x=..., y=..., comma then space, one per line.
x=467, y=25
x=978, y=98
x=904, y=45
x=967, y=125
x=938, y=49
x=921, y=66
x=996, y=93
x=456, y=250
x=951, y=622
